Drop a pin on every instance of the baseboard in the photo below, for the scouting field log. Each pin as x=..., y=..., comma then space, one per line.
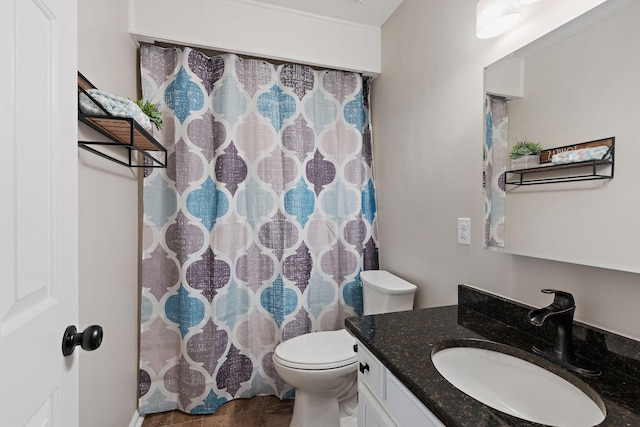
x=136, y=420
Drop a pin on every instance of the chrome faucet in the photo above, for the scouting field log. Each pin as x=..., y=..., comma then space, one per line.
x=560, y=314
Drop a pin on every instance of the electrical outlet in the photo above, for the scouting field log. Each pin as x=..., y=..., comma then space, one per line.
x=464, y=231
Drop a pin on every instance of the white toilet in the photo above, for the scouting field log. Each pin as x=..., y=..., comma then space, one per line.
x=322, y=365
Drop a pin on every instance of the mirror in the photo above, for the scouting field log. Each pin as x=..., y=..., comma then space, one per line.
x=578, y=83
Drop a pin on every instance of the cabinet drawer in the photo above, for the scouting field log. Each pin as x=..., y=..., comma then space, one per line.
x=371, y=372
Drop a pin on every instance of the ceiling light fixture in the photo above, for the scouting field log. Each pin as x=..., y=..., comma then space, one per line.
x=494, y=17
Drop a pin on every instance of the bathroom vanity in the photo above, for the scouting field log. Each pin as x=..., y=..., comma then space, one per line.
x=399, y=385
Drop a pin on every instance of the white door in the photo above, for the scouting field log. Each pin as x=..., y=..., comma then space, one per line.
x=38, y=212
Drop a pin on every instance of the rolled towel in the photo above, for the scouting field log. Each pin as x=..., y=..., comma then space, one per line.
x=117, y=106
x=583, y=155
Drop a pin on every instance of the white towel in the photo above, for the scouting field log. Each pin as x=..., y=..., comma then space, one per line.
x=117, y=106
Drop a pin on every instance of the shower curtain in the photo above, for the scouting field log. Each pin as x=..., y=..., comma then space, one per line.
x=495, y=162
x=257, y=230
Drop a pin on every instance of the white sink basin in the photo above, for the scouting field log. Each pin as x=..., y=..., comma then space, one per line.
x=517, y=387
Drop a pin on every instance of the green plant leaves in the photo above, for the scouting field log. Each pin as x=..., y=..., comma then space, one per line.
x=525, y=148
x=151, y=110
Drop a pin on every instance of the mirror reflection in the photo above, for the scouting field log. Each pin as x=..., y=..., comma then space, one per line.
x=577, y=84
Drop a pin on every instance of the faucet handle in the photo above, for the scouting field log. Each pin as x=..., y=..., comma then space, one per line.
x=561, y=299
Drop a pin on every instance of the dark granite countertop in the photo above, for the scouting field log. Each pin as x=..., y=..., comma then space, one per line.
x=403, y=342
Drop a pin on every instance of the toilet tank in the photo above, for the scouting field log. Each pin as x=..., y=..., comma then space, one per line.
x=382, y=292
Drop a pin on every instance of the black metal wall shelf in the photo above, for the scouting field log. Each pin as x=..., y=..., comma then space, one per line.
x=123, y=132
x=570, y=172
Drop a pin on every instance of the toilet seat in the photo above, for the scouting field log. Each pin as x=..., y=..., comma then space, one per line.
x=317, y=351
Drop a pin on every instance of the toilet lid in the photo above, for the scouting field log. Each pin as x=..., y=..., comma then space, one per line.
x=318, y=350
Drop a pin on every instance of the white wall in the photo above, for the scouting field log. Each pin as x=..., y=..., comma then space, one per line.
x=108, y=229
x=428, y=127
x=260, y=30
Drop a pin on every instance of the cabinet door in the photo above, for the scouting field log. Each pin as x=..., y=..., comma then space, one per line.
x=371, y=372
x=405, y=408
x=370, y=413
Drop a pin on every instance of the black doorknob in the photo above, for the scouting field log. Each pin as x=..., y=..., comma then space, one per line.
x=89, y=339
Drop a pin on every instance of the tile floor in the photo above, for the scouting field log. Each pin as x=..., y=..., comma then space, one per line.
x=259, y=411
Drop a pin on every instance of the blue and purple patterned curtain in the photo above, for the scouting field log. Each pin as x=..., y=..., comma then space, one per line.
x=259, y=227
x=495, y=164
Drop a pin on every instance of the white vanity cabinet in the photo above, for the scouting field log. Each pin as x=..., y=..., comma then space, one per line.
x=383, y=401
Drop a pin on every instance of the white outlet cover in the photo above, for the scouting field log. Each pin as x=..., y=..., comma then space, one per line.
x=464, y=231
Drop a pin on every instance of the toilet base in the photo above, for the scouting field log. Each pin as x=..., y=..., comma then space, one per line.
x=322, y=410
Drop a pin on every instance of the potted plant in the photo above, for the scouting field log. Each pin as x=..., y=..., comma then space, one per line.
x=152, y=111
x=525, y=154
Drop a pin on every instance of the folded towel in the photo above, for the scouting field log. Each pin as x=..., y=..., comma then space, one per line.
x=117, y=106
x=592, y=153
